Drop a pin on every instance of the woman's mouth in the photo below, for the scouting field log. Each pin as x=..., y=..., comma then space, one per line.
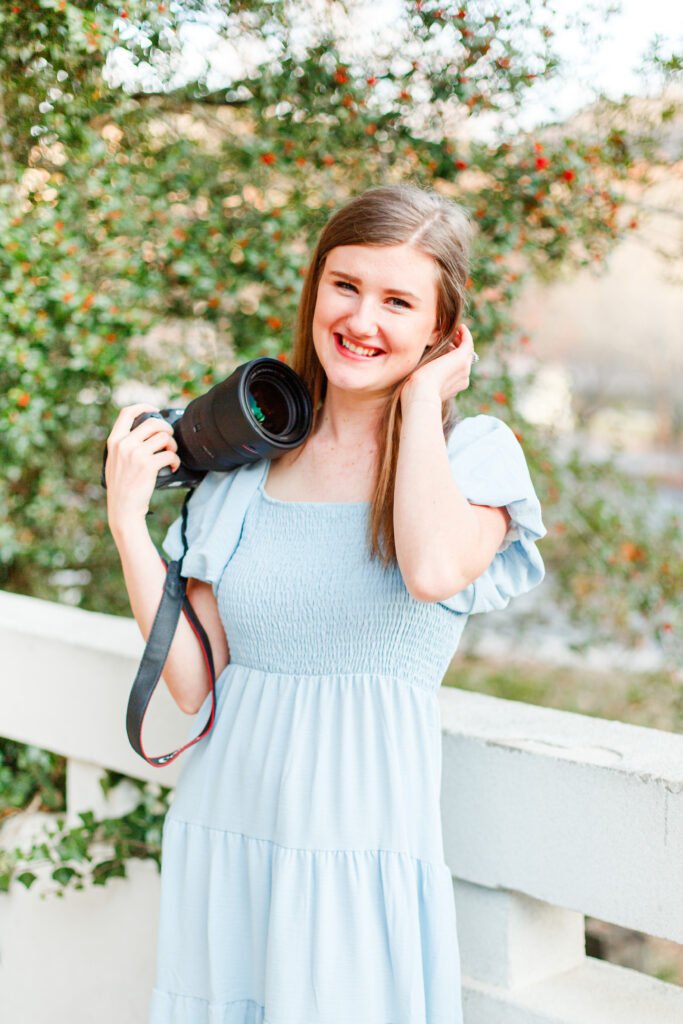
x=353, y=350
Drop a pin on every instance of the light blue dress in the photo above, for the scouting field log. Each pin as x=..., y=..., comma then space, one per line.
x=303, y=874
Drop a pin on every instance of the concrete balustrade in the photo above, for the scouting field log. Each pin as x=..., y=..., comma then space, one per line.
x=548, y=816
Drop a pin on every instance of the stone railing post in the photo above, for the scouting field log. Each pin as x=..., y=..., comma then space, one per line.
x=511, y=940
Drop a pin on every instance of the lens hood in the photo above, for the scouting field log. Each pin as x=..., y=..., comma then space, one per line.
x=260, y=411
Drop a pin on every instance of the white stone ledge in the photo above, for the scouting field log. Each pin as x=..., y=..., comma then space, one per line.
x=64, y=686
x=547, y=816
x=594, y=993
x=87, y=958
x=578, y=812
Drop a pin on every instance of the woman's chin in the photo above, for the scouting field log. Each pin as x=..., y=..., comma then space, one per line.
x=348, y=386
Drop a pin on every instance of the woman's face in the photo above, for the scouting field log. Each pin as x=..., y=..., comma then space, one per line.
x=374, y=316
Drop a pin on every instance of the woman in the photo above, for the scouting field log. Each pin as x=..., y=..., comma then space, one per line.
x=303, y=875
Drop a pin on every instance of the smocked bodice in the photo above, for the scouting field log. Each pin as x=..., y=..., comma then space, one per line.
x=301, y=595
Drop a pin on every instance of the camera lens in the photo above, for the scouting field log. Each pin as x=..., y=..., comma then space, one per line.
x=262, y=410
x=270, y=407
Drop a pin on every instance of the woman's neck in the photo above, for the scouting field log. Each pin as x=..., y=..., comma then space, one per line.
x=351, y=419
x=339, y=462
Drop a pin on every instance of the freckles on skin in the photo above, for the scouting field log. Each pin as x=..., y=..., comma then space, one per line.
x=380, y=297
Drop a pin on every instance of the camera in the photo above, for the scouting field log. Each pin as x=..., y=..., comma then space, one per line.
x=260, y=411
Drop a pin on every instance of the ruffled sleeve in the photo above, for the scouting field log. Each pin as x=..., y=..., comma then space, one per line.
x=215, y=517
x=490, y=469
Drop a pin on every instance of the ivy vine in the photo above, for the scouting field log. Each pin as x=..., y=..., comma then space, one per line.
x=69, y=856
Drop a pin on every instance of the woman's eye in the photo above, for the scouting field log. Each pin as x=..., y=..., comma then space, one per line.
x=399, y=302
x=344, y=285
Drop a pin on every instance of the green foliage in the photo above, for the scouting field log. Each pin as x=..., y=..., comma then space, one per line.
x=29, y=775
x=94, y=851
x=650, y=699
x=128, y=211
x=131, y=214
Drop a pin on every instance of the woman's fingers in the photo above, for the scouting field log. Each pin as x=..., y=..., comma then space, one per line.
x=152, y=435
x=465, y=334
x=152, y=425
x=135, y=447
x=133, y=466
x=165, y=458
x=151, y=428
x=158, y=441
x=126, y=417
x=463, y=340
x=134, y=459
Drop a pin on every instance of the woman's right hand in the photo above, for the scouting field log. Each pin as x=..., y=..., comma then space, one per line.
x=134, y=457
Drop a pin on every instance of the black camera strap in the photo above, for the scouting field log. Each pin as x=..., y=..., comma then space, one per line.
x=174, y=600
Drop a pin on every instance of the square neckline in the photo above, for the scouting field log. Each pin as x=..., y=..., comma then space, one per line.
x=320, y=504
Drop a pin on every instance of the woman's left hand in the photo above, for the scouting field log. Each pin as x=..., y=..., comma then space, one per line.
x=446, y=376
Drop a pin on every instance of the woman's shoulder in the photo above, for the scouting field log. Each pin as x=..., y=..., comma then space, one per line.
x=470, y=428
x=488, y=461
x=215, y=514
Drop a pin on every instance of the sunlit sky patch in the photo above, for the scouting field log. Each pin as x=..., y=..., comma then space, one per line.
x=603, y=60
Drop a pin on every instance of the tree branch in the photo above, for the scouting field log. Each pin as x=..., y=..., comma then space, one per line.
x=7, y=159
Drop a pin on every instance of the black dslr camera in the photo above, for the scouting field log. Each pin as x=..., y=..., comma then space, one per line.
x=260, y=411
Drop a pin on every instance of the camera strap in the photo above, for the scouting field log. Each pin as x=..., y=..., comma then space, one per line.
x=173, y=601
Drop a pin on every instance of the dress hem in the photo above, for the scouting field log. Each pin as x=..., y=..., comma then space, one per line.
x=253, y=1007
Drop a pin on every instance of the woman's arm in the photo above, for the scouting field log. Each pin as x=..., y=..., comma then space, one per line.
x=442, y=542
x=133, y=460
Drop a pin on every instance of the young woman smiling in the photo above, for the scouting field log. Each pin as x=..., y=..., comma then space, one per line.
x=303, y=874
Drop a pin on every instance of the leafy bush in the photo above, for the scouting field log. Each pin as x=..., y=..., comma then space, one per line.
x=159, y=236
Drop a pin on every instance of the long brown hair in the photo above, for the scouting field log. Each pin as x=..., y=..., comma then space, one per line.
x=390, y=215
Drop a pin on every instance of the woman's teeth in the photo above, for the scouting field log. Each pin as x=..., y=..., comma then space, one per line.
x=357, y=349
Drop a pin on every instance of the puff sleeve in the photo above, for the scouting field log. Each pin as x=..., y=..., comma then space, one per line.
x=489, y=467
x=215, y=517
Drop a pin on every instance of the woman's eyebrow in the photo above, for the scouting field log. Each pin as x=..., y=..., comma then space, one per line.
x=357, y=280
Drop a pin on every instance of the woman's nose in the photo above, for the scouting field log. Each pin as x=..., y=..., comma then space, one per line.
x=362, y=321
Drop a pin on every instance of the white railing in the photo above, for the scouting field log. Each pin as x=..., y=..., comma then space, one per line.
x=548, y=816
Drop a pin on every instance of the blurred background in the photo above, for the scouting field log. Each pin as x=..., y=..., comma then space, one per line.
x=164, y=170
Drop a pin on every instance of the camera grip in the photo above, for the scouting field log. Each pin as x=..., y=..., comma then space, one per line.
x=166, y=472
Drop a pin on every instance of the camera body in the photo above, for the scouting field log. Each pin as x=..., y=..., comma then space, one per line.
x=260, y=411
x=183, y=476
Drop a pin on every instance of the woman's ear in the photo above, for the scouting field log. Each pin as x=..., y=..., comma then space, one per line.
x=434, y=338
